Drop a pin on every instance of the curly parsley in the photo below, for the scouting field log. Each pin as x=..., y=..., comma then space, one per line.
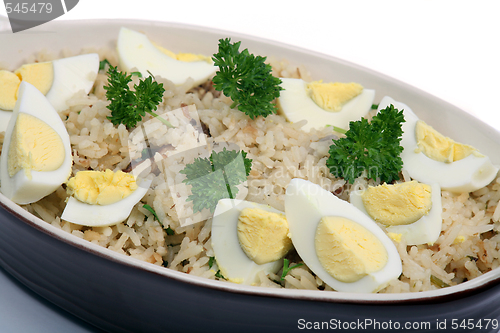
x=246, y=79
x=373, y=147
x=129, y=106
x=216, y=177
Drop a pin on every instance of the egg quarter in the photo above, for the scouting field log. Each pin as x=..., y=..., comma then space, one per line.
x=295, y=104
x=59, y=80
x=465, y=175
x=135, y=50
x=233, y=262
x=95, y=215
x=425, y=230
x=22, y=188
x=305, y=205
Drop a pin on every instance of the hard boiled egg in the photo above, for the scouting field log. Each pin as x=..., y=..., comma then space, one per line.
x=409, y=210
x=324, y=104
x=337, y=241
x=58, y=80
x=102, y=198
x=248, y=238
x=430, y=157
x=135, y=50
x=36, y=154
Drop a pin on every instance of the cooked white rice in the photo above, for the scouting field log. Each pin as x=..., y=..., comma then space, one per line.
x=467, y=247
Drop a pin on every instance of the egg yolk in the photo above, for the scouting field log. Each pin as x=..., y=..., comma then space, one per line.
x=34, y=146
x=263, y=235
x=332, y=96
x=9, y=83
x=347, y=250
x=187, y=57
x=438, y=147
x=41, y=75
x=398, y=204
x=101, y=187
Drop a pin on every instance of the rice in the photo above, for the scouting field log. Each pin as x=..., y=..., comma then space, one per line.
x=467, y=247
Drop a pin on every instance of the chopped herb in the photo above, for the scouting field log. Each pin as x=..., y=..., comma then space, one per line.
x=216, y=177
x=169, y=230
x=338, y=129
x=473, y=258
x=102, y=64
x=438, y=282
x=219, y=275
x=374, y=106
x=151, y=210
x=127, y=106
x=373, y=147
x=211, y=261
x=138, y=74
x=287, y=269
x=246, y=79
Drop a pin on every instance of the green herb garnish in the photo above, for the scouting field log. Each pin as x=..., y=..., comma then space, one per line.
x=374, y=106
x=219, y=275
x=102, y=64
x=216, y=177
x=369, y=146
x=151, y=210
x=138, y=74
x=438, y=282
x=211, y=261
x=246, y=79
x=287, y=269
x=127, y=106
x=169, y=230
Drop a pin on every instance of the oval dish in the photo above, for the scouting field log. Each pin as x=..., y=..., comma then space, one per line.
x=122, y=294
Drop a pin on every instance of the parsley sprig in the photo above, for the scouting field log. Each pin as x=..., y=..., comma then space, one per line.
x=373, y=147
x=216, y=177
x=246, y=79
x=129, y=106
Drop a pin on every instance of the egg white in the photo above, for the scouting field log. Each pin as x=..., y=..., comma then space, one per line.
x=232, y=261
x=305, y=204
x=296, y=105
x=136, y=51
x=19, y=188
x=71, y=75
x=104, y=215
x=426, y=230
x=466, y=175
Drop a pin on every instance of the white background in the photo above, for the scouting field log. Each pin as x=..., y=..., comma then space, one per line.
x=447, y=48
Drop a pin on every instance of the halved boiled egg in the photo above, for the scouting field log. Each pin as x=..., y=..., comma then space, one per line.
x=135, y=50
x=337, y=241
x=58, y=80
x=102, y=198
x=248, y=238
x=324, y=104
x=36, y=154
x=409, y=210
x=430, y=157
